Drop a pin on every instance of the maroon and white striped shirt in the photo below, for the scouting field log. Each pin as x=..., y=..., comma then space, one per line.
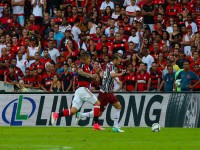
x=107, y=81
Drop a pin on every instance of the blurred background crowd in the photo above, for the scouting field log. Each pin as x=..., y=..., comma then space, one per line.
x=41, y=41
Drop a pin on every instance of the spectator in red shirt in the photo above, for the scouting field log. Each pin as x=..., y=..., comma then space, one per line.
x=37, y=79
x=6, y=18
x=81, y=3
x=61, y=59
x=37, y=64
x=4, y=63
x=106, y=60
x=172, y=9
x=119, y=44
x=47, y=78
x=129, y=79
x=195, y=60
x=104, y=43
x=161, y=62
x=197, y=71
x=28, y=80
x=15, y=45
x=142, y=78
x=11, y=77
x=17, y=70
x=46, y=57
x=154, y=78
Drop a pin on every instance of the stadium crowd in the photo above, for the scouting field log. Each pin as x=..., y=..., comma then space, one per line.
x=41, y=42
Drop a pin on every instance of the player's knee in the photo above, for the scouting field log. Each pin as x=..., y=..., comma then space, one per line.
x=97, y=103
x=73, y=110
x=100, y=113
x=119, y=106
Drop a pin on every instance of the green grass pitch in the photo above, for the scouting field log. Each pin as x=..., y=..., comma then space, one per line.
x=80, y=138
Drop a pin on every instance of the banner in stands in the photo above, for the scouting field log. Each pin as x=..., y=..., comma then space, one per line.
x=138, y=109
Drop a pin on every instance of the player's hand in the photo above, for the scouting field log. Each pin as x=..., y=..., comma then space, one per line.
x=123, y=72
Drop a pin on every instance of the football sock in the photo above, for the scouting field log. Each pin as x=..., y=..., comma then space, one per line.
x=87, y=114
x=116, y=119
x=65, y=112
x=96, y=114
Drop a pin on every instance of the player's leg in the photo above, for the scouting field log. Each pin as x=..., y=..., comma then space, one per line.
x=89, y=114
x=76, y=105
x=103, y=104
x=65, y=112
x=91, y=98
x=115, y=102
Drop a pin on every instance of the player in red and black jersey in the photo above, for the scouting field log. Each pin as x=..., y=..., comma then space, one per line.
x=155, y=78
x=106, y=95
x=82, y=94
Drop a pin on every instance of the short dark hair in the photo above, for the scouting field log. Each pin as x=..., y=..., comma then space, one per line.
x=169, y=66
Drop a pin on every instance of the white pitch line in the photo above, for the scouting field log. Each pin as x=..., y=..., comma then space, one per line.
x=38, y=147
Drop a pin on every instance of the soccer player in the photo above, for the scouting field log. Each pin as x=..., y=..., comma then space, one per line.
x=105, y=95
x=82, y=94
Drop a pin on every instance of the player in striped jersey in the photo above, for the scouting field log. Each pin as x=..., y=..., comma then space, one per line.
x=82, y=94
x=105, y=95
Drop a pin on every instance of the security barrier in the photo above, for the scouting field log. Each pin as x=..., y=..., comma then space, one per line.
x=10, y=88
x=138, y=109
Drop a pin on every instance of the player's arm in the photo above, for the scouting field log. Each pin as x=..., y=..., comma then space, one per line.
x=87, y=75
x=82, y=73
x=113, y=74
x=120, y=84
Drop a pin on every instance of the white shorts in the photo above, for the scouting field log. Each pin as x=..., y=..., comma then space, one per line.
x=83, y=94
